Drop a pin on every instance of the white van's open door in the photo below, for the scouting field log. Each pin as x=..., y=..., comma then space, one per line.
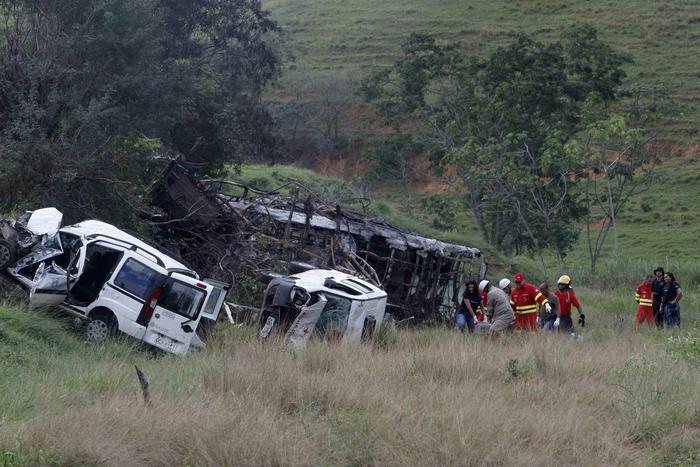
x=173, y=312
x=216, y=299
x=52, y=283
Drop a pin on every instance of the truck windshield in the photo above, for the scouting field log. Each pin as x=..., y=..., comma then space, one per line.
x=334, y=318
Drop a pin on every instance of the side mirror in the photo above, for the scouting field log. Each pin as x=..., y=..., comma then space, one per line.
x=187, y=328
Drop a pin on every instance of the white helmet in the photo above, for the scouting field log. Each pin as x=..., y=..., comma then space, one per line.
x=503, y=283
x=483, y=284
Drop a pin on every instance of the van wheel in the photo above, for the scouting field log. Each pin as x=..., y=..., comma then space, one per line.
x=100, y=327
x=8, y=254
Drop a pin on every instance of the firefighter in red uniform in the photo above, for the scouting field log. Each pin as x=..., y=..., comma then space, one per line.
x=567, y=298
x=526, y=298
x=645, y=297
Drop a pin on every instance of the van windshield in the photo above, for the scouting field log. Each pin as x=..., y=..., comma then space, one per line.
x=181, y=298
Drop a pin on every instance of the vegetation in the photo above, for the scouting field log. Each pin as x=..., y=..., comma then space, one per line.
x=617, y=395
x=339, y=39
x=508, y=123
x=91, y=91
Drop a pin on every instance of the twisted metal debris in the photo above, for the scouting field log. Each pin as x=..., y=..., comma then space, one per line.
x=224, y=234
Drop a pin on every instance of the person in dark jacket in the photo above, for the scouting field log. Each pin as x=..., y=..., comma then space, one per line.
x=548, y=319
x=657, y=288
x=471, y=300
x=671, y=296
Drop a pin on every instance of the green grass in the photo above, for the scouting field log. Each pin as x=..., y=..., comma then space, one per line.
x=659, y=227
x=445, y=217
x=334, y=37
x=37, y=349
x=281, y=178
x=66, y=402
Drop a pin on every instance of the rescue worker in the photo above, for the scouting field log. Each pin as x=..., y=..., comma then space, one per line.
x=566, y=297
x=644, y=298
x=657, y=288
x=505, y=285
x=498, y=310
x=548, y=319
x=526, y=297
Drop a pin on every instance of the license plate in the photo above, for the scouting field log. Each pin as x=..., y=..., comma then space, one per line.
x=166, y=343
x=265, y=331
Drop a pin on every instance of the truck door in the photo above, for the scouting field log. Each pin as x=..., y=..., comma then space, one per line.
x=218, y=294
x=173, y=311
x=302, y=328
x=52, y=283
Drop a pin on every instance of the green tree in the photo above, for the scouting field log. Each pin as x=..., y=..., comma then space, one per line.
x=504, y=121
x=91, y=91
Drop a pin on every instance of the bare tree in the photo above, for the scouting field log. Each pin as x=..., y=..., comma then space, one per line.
x=620, y=163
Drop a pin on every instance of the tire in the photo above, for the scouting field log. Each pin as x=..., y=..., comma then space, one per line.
x=8, y=254
x=100, y=327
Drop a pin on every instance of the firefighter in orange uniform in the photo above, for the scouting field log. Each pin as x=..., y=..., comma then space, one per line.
x=526, y=298
x=645, y=297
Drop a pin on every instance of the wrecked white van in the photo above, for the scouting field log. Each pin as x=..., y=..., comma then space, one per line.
x=320, y=303
x=116, y=282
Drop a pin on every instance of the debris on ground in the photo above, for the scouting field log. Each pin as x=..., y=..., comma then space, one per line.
x=250, y=231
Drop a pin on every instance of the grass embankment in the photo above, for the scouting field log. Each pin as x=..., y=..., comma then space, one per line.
x=617, y=396
x=337, y=38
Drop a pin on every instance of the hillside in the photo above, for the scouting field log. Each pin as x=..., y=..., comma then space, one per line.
x=345, y=39
x=348, y=37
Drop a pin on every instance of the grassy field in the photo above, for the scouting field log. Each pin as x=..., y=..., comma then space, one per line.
x=616, y=396
x=659, y=227
x=333, y=37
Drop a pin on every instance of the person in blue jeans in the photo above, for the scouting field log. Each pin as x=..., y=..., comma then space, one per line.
x=672, y=293
x=466, y=314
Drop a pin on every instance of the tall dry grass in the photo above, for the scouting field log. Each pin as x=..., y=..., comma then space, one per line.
x=436, y=397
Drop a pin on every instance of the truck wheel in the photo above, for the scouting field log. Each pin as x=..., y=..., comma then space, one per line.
x=8, y=254
x=100, y=327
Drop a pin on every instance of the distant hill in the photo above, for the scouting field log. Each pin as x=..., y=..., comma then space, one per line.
x=659, y=227
x=349, y=36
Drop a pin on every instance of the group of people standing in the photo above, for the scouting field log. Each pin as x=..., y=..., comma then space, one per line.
x=517, y=304
x=658, y=299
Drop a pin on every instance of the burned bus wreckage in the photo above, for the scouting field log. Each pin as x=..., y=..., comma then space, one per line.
x=225, y=228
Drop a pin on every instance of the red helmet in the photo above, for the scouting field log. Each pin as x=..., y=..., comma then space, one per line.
x=518, y=277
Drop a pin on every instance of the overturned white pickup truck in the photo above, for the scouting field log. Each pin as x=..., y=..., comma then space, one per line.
x=111, y=279
x=320, y=303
